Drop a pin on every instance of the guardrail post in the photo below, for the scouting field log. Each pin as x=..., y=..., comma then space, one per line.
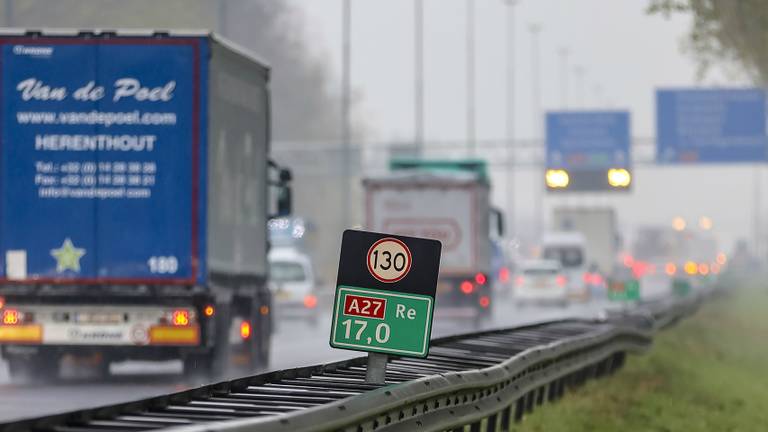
x=376, y=371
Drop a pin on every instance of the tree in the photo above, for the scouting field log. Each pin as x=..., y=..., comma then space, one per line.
x=725, y=31
x=304, y=94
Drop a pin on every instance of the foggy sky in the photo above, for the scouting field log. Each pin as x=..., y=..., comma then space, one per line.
x=625, y=55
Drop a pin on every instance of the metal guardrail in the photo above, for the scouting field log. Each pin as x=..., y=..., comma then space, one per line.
x=485, y=381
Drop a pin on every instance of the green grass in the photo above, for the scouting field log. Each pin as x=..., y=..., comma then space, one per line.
x=709, y=373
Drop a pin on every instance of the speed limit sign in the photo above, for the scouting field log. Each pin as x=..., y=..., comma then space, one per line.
x=385, y=293
x=389, y=260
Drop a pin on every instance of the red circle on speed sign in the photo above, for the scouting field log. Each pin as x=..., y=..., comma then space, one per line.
x=389, y=260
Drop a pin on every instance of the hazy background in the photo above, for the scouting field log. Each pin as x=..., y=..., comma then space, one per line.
x=617, y=56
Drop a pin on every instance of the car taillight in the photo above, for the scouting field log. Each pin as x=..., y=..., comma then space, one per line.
x=587, y=277
x=560, y=280
x=245, y=329
x=11, y=317
x=180, y=317
x=670, y=269
x=721, y=259
x=467, y=287
x=504, y=274
x=519, y=281
x=485, y=301
x=209, y=311
x=310, y=301
x=703, y=269
x=481, y=279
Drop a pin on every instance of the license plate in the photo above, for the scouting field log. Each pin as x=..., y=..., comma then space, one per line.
x=541, y=283
x=284, y=295
x=99, y=317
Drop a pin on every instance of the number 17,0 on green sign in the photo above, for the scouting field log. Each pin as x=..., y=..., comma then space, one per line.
x=388, y=322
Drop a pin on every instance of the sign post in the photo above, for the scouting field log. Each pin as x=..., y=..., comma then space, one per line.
x=385, y=297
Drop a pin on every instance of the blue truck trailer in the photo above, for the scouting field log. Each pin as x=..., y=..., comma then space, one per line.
x=135, y=190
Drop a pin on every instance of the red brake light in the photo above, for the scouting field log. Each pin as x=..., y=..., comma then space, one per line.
x=503, y=275
x=485, y=301
x=180, y=317
x=481, y=279
x=640, y=268
x=310, y=301
x=670, y=269
x=587, y=277
x=11, y=317
x=703, y=269
x=628, y=261
x=245, y=329
x=519, y=281
x=467, y=287
x=560, y=280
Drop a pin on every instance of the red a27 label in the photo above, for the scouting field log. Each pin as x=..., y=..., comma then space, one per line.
x=365, y=306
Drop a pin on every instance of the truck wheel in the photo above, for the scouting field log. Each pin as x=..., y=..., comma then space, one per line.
x=264, y=343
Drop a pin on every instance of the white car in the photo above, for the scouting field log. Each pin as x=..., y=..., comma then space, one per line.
x=570, y=250
x=541, y=281
x=292, y=282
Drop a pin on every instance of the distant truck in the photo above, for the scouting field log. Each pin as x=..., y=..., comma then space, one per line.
x=599, y=228
x=134, y=201
x=447, y=201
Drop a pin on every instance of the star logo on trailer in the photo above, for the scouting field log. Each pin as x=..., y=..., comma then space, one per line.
x=67, y=256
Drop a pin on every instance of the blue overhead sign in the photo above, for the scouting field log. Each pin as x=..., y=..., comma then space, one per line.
x=588, y=139
x=710, y=126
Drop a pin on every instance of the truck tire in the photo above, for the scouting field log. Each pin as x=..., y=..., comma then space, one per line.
x=219, y=357
x=263, y=343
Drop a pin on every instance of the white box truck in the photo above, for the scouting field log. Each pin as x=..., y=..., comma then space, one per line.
x=447, y=201
x=598, y=226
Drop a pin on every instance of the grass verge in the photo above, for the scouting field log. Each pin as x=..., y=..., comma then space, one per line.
x=709, y=373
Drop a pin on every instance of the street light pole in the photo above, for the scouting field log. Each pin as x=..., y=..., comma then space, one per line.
x=221, y=16
x=538, y=188
x=418, y=72
x=756, y=212
x=345, y=112
x=470, y=75
x=579, y=72
x=563, y=52
x=510, y=113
